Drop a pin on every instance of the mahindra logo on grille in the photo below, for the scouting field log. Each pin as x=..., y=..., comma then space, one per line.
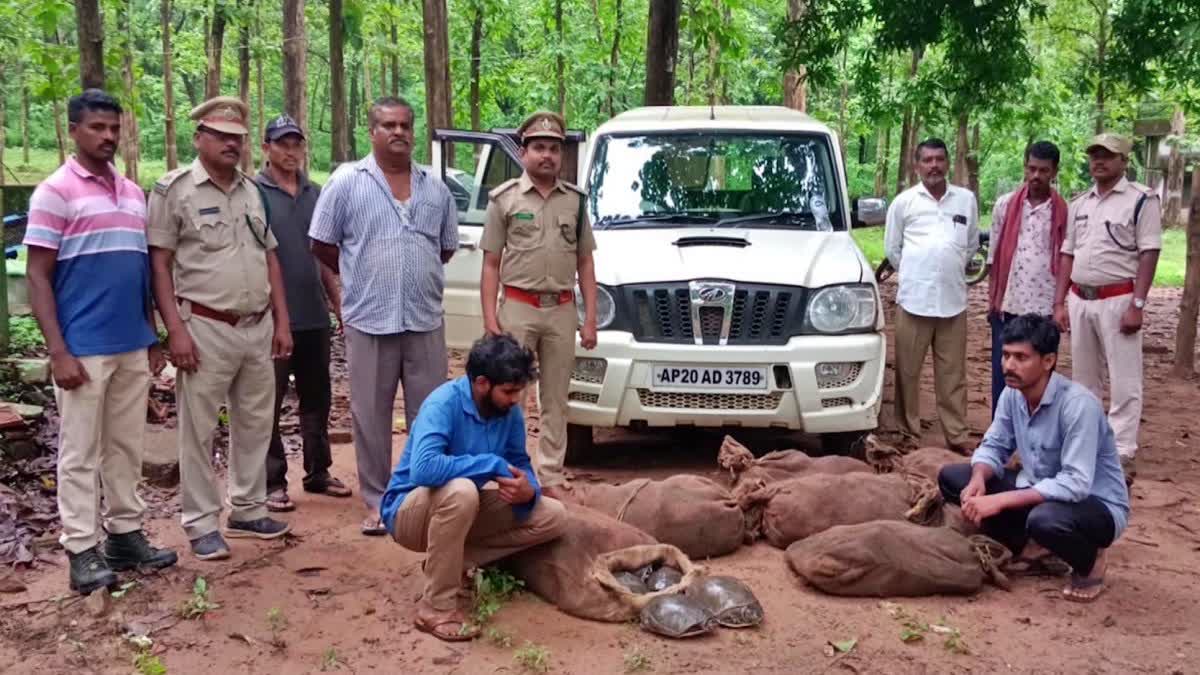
x=712, y=294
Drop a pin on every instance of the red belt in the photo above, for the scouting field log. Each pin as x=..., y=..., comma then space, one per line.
x=1103, y=292
x=537, y=298
x=225, y=317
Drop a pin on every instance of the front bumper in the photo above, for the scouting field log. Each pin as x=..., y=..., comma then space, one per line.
x=623, y=395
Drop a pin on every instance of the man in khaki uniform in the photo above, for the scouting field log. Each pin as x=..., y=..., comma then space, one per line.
x=218, y=287
x=536, y=240
x=1114, y=235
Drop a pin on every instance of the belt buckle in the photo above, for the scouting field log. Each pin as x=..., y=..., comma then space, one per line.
x=1089, y=292
x=547, y=299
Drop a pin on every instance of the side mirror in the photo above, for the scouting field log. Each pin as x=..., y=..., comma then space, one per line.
x=869, y=211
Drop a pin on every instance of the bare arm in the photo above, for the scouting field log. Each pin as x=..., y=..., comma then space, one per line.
x=489, y=289
x=1066, y=263
x=1147, y=264
x=587, y=285
x=67, y=370
x=333, y=291
x=327, y=254
x=281, y=345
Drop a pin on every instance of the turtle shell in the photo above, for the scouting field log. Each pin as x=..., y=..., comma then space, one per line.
x=676, y=616
x=663, y=578
x=645, y=572
x=632, y=581
x=730, y=601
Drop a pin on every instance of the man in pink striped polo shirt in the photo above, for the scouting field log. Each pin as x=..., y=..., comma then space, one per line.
x=89, y=285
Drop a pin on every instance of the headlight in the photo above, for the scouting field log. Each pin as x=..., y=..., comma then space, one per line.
x=606, y=309
x=836, y=309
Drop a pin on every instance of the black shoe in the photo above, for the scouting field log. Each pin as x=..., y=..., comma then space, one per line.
x=89, y=572
x=260, y=528
x=132, y=551
x=211, y=546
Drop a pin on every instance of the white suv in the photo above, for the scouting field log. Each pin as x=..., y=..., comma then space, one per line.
x=731, y=292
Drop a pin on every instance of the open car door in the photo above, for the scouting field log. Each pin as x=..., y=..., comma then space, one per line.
x=472, y=164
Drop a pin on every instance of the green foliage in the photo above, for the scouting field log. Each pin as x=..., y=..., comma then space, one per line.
x=636, y=661
x=330, y=660
x=532, y=658
x=198, y=604
x=146, y=663
x=277, y=623
x=123, y=590
x=24, y=336
x=493, y=588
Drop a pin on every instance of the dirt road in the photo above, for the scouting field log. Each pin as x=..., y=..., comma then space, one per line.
x=347, y=600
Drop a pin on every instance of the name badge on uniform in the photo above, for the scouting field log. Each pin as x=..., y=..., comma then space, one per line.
x=210, y=211
x=523, y=216
x=960, y=219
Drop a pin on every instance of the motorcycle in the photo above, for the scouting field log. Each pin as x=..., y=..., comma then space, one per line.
x=976, y=271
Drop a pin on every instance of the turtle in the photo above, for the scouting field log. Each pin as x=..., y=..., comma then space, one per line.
x=645, y=571
x=677, y=616
x=664, y=578
x=730, y=601
x=632, y=581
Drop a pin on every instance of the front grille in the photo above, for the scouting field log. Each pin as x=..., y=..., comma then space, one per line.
x=759, y=315
x=680, y=400
x=583, y=397
x=836, y=402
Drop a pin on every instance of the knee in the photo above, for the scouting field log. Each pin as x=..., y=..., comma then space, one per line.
x=459, y=496
x=551, y=518
x=1046, y=519
x=952, y=478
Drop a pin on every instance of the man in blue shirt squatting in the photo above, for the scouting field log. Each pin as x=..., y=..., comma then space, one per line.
x=469, y=433
x=1069, y=498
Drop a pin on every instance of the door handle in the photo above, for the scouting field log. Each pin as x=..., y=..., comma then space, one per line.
x=467, y=244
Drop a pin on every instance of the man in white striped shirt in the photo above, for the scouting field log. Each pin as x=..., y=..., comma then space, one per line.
x=387, y=226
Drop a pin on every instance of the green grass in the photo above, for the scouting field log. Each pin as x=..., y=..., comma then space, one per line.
x=1171, y=263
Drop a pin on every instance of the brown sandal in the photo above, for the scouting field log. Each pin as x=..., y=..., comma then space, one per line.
x=372, y=526
x=464, y=632
x=279, y=501
x=331, y=488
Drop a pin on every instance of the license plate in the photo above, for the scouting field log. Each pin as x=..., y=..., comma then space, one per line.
x=668, y=377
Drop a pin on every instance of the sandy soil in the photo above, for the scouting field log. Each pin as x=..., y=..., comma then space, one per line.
x=347, y=600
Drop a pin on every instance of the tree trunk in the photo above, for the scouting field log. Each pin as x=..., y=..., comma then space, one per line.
x=914, y=135
x=438, y=105
x=340, y=144
x=614, y=57
x=1173, y=210
x=368, y=92
x=1102, y=35
x=295, y=62
x=258, y=84
x=4, y=276
x=24, y=123
x=394, y=53
x=129, y=120
x=90, y=29
x=795, y=89
x=907, y=131
x=59, y=135
x=244, y=89
x=596, y=20
x=189, y=87
x=843, y=102
x=1189, y=305
x=662, y=49
x=560, y=61
x=714, y=69
x=216, y=43
x=476, y=43
x=882, y=147
x=352, y=120
x=973, y=162
x=172, y=152
x=962, y=145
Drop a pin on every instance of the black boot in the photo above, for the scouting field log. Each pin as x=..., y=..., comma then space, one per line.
x=132, y=551
x=89, y=572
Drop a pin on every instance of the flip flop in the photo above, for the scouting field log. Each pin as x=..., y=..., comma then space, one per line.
x=279, y=501
x=373, y=527
x=1077, y=590
x=1045, y=565
x=463, y=631
x=332, y=488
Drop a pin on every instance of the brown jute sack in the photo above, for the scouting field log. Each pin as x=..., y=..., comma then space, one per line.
x=747, y=473
x=786, y=511
x=561, y=571
x=691, y=512
x=920, y=468
x=887, y=558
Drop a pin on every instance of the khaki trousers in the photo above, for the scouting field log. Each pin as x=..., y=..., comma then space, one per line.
x=235, y=366
x=948, y=337
x=100, y=445
x=460, y=526
x=550, y=333
x=1097, y=344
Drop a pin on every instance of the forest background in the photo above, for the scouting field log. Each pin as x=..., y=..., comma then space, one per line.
x=988, y=76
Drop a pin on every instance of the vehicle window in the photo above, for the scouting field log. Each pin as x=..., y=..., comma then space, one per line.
x=738, y=178
x=500, y=168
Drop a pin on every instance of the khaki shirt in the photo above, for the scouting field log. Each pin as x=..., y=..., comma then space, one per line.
x=219, y=261
x=541, y=239
x=1099, y=260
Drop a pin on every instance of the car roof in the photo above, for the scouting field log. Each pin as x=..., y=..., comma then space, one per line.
x=672, y=118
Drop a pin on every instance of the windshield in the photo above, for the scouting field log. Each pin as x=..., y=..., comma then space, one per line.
x=714, y=179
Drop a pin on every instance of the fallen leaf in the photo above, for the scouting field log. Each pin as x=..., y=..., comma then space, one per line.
x=844, y=646
x=243, y=638
x=310, y=571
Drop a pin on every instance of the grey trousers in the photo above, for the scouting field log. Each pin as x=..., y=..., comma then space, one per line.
x=416, y=362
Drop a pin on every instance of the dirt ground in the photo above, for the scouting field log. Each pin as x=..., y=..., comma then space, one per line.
x=347, y=600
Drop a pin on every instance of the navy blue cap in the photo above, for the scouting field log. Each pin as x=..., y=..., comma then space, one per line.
x=282, y=126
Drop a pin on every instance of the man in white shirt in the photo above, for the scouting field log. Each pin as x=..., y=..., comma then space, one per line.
x=932, y=230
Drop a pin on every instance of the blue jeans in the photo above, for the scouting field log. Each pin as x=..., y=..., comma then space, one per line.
x=997, y=322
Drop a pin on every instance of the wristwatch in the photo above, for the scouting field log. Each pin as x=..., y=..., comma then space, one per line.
x=1139, y=303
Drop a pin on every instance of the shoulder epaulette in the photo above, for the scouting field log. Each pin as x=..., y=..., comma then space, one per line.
x=1144, y=189
x=572, y=186
x=503, y=187
x=163, y=184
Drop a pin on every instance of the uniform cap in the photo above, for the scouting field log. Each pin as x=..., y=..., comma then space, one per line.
x=282, y=126
x=1114, y=143
x=543, y=125
x=226, y=114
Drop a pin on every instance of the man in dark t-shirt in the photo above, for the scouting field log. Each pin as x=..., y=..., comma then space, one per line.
x=290, y=199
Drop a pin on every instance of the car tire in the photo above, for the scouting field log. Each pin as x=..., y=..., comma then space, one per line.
x=847, y=443
x=580, y=443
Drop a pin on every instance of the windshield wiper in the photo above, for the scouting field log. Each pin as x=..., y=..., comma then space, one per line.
x=805, y=218
x=604, y=224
